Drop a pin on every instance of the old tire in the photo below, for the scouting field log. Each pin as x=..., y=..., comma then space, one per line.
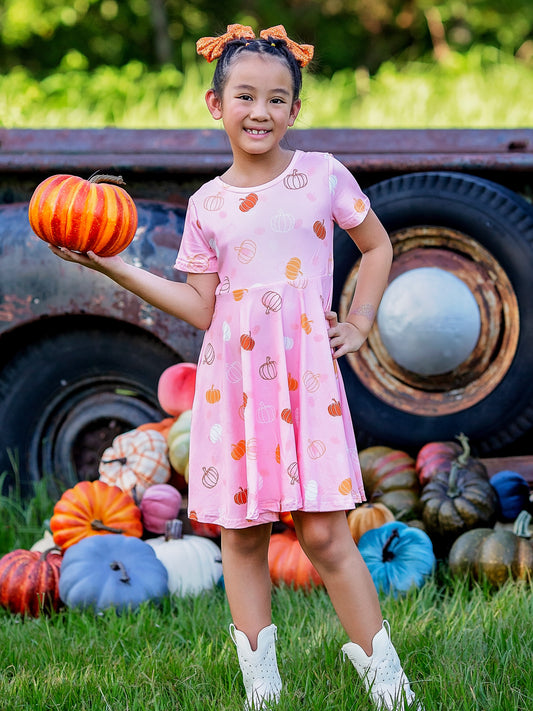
x=483, y=233
x=64, y=398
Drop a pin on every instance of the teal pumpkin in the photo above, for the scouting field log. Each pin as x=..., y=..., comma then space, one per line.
x=399, y=557
x=118, y=572
x=513, y=493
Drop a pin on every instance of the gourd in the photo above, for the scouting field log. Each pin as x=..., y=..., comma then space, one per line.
x=84, y=215
x=438, y=456
x=193, y=563
x=389, y=477
x=496, y=555
x=136, y=460
x=513, y=493
x=29, y=581
x=289, y=564
x=454, y=502
x=94, y=508
x=399, y=557
x=117, y=572
x=159, y=503
x=175, y=389
x=366, y=517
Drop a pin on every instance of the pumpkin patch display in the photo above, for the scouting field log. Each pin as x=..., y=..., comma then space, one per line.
x=160, y=503
x=399, y=557
x=288, y=564
x=117, y=572
x=513, y=493
x=29, y=581
x=456, y=501
x=366, y=517
x=136, y=460
x=193, y=563
x=389, y=477
x=94, y=215
x=94, y=508
x=495, y=555
x=175, y=388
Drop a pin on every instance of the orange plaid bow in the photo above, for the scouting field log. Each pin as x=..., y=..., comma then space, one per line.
x=212, y=47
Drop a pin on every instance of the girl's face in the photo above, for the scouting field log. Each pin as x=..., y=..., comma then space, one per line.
x=257, y=104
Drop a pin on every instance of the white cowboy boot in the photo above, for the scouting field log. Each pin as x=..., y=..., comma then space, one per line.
x=382, y=673
x=259, y=667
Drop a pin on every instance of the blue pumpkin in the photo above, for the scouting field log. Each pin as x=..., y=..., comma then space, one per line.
x=399, y=557
x=513, y=493
x=114, y=571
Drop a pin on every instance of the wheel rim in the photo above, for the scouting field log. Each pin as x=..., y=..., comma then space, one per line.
x=480, y=373
x=81, y=421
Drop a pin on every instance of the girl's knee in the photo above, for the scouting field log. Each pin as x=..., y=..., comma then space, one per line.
x=316, y=533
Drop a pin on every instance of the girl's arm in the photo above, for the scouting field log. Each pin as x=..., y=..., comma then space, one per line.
x=192, y=301
x=374, y=244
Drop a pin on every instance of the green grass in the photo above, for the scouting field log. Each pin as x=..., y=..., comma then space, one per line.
x=463, y=648
x=482, y=89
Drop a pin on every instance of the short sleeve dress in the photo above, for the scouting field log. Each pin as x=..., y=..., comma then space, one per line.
x=271, y=428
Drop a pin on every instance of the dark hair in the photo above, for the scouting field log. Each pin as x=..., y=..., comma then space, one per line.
x=271, y=47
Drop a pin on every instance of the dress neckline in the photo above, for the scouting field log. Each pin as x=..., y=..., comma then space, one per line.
x=262, y=186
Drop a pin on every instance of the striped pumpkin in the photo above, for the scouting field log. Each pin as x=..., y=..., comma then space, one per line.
x=84, y=215
x=29, y=581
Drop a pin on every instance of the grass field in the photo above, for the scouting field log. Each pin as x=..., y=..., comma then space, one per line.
x=482, y=89
x=465, y=649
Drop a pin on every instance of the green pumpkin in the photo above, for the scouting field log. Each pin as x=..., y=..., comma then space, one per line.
x=458, y=500
x=116, y=571
x=494, y=554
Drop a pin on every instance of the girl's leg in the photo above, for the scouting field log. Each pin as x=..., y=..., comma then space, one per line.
x=327, y=541
x=248, y=588
x=247, y=578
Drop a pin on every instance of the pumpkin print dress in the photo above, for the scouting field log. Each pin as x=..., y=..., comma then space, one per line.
x=271, y=428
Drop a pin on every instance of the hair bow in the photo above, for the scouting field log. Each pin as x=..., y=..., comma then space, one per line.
x=212, y=47
x=303, y=53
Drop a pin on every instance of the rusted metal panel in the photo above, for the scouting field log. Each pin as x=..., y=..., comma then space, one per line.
x=186, y=152
x=34, y=284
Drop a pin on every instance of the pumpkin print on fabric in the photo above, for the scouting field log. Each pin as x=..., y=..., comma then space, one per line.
x=273, y=431
x=214, y=203
x=248, y=202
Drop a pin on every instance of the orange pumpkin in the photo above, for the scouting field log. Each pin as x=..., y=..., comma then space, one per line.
x=293, y=268
x=247, y=342
x=288, y=563
x=94, y=508
x=286, y=415
x=238, y=450
x=84, y=215
x=241, y=497
x=366, y=517
x=292, y=382
x=334, y=408
x=212, y=395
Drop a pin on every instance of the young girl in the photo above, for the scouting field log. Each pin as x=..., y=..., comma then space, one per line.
x=271, y=429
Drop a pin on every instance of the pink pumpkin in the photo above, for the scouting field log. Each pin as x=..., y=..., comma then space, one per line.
x=160, y=503
x=175, y=390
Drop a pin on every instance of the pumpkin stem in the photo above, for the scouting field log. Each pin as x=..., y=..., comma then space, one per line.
x=463, y=458
x=118, y=565
x=113, y=179
x=453, y=490
x=45, y=553
x=99, y=526
x=521, y=525
x=173, y=529
x=120, y=460
x=388, y=555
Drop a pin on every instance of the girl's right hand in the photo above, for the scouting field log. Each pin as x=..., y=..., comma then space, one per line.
x=106, y=265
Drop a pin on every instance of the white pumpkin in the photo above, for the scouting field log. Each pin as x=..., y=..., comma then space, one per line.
x=193, y=563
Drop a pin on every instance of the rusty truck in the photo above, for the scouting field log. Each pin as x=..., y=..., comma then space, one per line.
x=80, y=358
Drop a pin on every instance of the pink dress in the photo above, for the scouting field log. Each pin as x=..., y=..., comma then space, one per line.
x=271, y=428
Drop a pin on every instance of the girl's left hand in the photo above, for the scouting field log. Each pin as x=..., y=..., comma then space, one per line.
x=344, y=337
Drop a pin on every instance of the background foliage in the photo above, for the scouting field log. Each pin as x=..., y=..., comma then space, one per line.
x=84, y=34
